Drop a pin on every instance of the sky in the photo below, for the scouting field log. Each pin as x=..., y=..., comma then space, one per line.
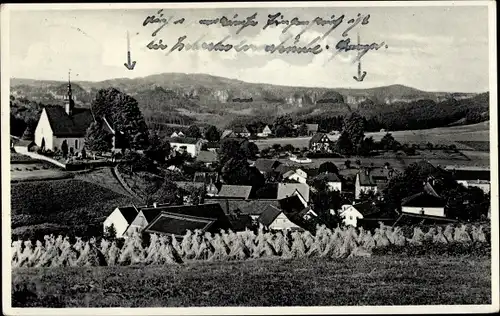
x=429, y=48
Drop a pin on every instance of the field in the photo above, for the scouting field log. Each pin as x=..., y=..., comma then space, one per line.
x=61, y=206
x=103, y=177
x=381, y=280
x=457, y=135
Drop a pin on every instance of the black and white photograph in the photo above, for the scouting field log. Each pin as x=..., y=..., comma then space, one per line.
x=249, y=158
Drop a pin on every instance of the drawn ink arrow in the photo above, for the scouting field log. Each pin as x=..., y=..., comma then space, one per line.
x=129, y=64
x=361, y=76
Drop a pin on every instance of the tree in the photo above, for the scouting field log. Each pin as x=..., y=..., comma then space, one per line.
x=123, y=112
x=193, y=131
x=96, y=139
x=354, y=128
x=344, y=144
x=283, y=126
x=157, y=148
x=212, y=134
x=29, y=132
x=366, y=147
x=302, y=130
x=288, y=148
x=347, y=164
x=238, y=172
x=230, y=148
x=328, y=167
x=110, y=232
x=249, y=149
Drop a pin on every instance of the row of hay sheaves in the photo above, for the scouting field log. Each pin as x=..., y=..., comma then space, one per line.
x=228, y=246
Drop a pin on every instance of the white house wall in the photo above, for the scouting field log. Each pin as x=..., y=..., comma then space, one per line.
x=350, y=215
x=43, y=129
x=57, y=143
x=335, y=186
x=433, y=211
x=282, y=222
x=116, y=218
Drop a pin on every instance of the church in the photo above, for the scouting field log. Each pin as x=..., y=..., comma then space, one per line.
x=66, y=125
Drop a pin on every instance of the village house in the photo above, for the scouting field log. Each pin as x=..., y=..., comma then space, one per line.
x=352, y=214
x=291, y=214
x=235, y=191
x=189, y=145
x=239, y=207
x=57, y=126
x=289, y=189
x=208, y=158
x=334, y=183
x=427, y=202
x=227, y=133
x=264, y=132
x=320, y=142
x=241, y=131
x=144, y=216
x=300, y=175
x=177, y=220
x=312, y=129
x=472, y=178
x=177, y=134
x=120, y=219
x=372, y=180
x=266, y=166
x=273, y=218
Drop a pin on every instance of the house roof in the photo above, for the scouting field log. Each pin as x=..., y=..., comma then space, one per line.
x=366, y=208
x=470, y=175
x=227, y=133
x=128, y=212
x=249, y=207
x=64, y=125
x=206, y=156
x=151, y=213
x=269, y=215
x=291, y=204
x=240, y=129
x=319, y=138
x=375, y=177
x=235, y=191
x=266, y=165
x=288, y=189
x=423, y=199
x=178, y=224
x=329, y=177
x=312, y=127
x=282, y=169
x=288, y=173
x=183, y=140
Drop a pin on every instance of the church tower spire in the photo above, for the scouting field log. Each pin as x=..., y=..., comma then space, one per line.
x=70, y=104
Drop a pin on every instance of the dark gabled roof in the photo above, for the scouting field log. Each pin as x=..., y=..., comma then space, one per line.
x=366, y=208
x=248, y=207
x=268, y=191
x=151, y=213
x=375, y=177
x=235, y=191
x=282, y=169
x=319, y=138
x=269, y=215
x=178, y=224
x=183, y=140
x=266, y=165
x=129, y=213
x=227, y=134
x=430, y=190
x=291, y=204
x=240, y=130
x=206, y=156
x=329, y=177
x=471, y=175
x=64, y=125
x=423, y=199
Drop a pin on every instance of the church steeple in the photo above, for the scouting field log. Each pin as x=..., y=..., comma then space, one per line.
x=70, y=104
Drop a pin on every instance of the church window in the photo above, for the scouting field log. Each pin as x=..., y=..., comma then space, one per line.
x=76, y=143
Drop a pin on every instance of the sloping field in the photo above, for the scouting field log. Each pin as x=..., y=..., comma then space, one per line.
x=76, y=207
x=438, y=136
x=379, y=280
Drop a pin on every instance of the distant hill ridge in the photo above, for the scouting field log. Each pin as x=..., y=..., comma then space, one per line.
x=203, y=88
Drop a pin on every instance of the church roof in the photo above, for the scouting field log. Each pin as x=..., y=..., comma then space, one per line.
x=70, y=126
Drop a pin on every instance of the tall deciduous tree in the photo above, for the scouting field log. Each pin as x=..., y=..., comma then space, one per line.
x=124, y=113
x=96, y=139
x=212, y=134
x=354, y=127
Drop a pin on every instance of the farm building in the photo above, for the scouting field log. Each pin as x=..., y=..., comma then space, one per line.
x=352, y=214
x=121, y=218
x=264, y=132
x=177, y=220
x=320, y=142
x=241, y=131
x=372, y=180
x=192, y=146
x=427, y=202
x=252, y=208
